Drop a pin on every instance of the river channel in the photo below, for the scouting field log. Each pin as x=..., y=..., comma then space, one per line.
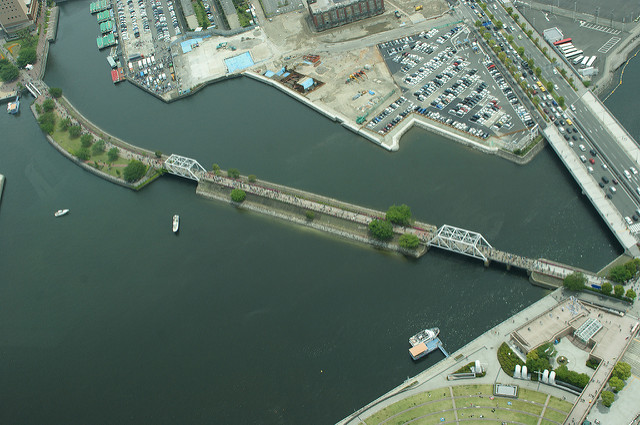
x=108, y=317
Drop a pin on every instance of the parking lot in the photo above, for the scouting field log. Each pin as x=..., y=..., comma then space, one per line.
x=446, y=77
x=146, y=25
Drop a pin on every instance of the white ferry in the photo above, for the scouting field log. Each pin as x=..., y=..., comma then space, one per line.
x=60, y=213
x=176, y=223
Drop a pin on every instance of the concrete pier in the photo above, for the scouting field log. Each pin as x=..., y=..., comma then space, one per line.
x=1, y=186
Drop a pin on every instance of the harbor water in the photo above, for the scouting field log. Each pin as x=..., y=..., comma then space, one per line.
x=108, y=317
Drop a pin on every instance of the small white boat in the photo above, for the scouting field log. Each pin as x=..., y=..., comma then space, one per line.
x=176, y=223
x=60, y=213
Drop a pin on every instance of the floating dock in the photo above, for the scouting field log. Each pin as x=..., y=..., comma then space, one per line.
x=99, y=6
x=104, y=15
x=117, y=75
x=422, y=349
x=107, y=26
x=106, y=41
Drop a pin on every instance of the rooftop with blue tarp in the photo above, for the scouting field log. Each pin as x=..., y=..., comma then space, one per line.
x=238, y=63
x=279, y=73
x=269, y=74
x=187, y=45
x=306, y=83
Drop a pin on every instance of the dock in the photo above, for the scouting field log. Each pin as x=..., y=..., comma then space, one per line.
x=104, y=16
x=107, y=26
x=421, y=350
x=106, y=41
x=117, y=75
x=99, y=6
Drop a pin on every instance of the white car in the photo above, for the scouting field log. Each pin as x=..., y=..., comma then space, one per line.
x=573, y=108
x=555, y=71
x=582, y=148
x=555, y=86
x=634, y=171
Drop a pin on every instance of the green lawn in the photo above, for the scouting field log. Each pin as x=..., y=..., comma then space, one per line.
x=432, y=405
x=462, y=390
x=555, y=416
x=524, y=394
x=556, y=403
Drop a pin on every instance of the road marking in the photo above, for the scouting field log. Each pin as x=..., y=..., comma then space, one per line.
x=609, y=44
x=601, y=28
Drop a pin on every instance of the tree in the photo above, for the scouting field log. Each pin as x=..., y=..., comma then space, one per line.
x=544, y=50
x=113, y=154
x=606, y=288
x=561, y=101
x=520, y=51
x=535, y=362
x=47, y=122
x=487, y=36
x=619, y=274
x=55, y=92
x=64, y=124
x=216, y=169
x=622, y=370
x=26, y=56
x=409, y=241
x=252, y=178
x=74, y=131
x=238, y=195
x=607, y=398
x=381, y=229
x=631, y=294
x=510, y=38
x=48, y=105
x=530, y=63
x=82, y=154
x=529, y=33
x=158, y=154
x=574, y=281
x=399, y=214
x=499, y=25
x=86, y=140
x=8, y=71
x=516, y=17
x=509, y=10
x=310, y=215
x=553, y=60
x=523, y=26
x=98, y=147
x=478, y=24
x=616, y=384
x=233, y=173
x=134, y=171
x=502, y=56
x=618, y=290
x=550, y=86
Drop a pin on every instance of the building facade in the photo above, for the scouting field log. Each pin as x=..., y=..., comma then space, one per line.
x=327, y=14
x=16, y=14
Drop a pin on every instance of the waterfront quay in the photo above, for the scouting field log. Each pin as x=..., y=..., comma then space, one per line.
x=556, y=316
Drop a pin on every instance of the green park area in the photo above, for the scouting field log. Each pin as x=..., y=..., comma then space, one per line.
x=473, y=403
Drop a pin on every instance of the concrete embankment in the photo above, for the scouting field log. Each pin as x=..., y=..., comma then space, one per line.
x=327, y=215
x=1, y=186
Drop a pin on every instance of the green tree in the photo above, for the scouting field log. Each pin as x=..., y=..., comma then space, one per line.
x=561, y=101
x=516, y=17
x=520, y=51
x=233, y=173
x=134, y=171
x=478, y=24
x=606, y=288
x=523, y=26
x=544, y=50
x=409, y=241
x=113, y=155
x=55, y=92
x=550, y=86
x=529, y=33
x=74, y=131
x=158, y=154
x=535, y=362
x=631, y=294
x=8, y=71
x=619, y=274
x=216, y=169
x=607, y=398
x=26, y=56
x=509, y=10
x=575, y=281
x=82, y=154
x=553, y=60
x=616, y=384
x=499, y=25
x=487, y=36
x=47, y=122
x=252, y=178
x=502, y=56
x=48, y=105
x=510, y=38
x=238, y=195
x=618, y=290
x=310, y=215
x=622, y=370
x=399, y=214
x=98, y=147
x=530, y=63
x=86, y=140
x=381, y=229
x=64, y=124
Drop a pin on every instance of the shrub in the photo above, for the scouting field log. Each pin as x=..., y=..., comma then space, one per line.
x=508, y=359
x=399, y=214
x=592, y=363
x=622, y=370
x=134, y=171
x=409, y=241
x=607, y=398
x=26, y=56
x=606, y=288
x=381, y=229
x=98, y=147
x=82, y=154
x=618, y=290
x=47, y=122
x=631, y=294
x=616, y=384
x=574, y=281
x=252, y=178
x=64, y=124
x=233, y=173
x=579, y=380
x=48, y=105
x=238, y=195
x=309, y=214
x=158, y=154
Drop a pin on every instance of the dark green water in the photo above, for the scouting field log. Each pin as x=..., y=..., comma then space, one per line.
x=107, y=317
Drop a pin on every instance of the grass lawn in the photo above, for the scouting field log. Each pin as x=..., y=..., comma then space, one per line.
x=558, y=404
x=555, y=416
x=548, y=423
x=498, y=415
x=462, y=390
x=72, y=145
x=524, y=394
x=409, y=403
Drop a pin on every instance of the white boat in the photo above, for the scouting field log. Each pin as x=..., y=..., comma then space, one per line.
x=424, y=336
x=60, y=213
x=176, y=223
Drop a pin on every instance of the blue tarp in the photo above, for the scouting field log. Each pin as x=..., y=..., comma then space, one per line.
x=306, y=84
x=187, y=45
x=238, y=63
x=279, y=73
x=269, y=74
x=286, y=74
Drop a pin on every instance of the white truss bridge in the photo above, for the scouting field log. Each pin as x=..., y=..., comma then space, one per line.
x=462, y=241
x=184, y=167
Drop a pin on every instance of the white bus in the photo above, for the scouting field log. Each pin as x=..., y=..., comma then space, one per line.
x=565, y=47
x=578, y=60
x=568, y=52
x=574, y=54
x=591, y=61
x=584, y=61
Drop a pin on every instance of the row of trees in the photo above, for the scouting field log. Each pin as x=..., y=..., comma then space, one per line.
x=577, y=282
x=625, y=272
x=8, y=71
x=621, y=372
x=383, y=229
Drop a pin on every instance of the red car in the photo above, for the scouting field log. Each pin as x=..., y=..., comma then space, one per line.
x=591, y=160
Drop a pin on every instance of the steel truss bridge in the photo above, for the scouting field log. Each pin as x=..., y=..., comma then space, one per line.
x=184, y=167
x=461, y=241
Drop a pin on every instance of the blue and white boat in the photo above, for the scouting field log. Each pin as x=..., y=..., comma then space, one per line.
x=14, y=107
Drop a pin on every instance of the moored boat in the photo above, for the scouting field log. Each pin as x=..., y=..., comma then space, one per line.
x=60, y=213
x=424, y=336
x=14, y=107
x=176, y=223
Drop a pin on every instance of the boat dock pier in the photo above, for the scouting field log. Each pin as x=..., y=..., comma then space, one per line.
x=423, y=349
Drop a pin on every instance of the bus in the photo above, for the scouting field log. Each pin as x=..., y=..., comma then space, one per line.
x=578, y=60
x=563, y=41
x=591, y=61
x=574, y=54
x=568, y=52
x=566, y=47
x=584, y=61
